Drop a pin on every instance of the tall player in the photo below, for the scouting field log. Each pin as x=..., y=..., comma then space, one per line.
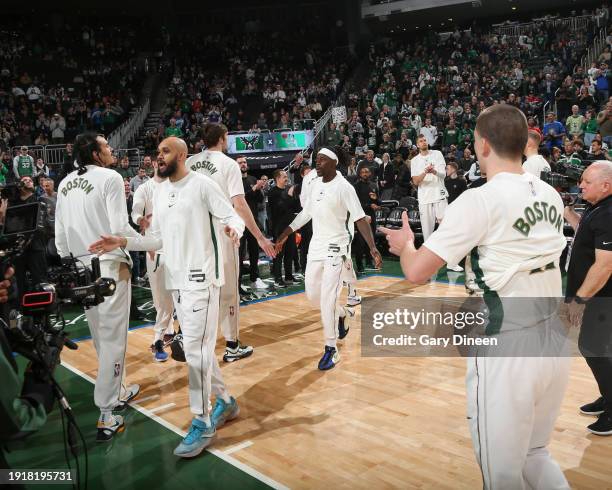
x=90, y=203
x=513, y=402
x=183, y=210
x=333, y=207
x=142, y=207
x=353, y=299
x=226, y=173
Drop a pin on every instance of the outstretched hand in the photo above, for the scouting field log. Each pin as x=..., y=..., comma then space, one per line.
x=267, y=246
x=398, y=239
x=278, y=246
x=106, y=244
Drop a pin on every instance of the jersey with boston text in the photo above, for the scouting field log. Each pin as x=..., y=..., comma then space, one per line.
x=224, y=170
x=333, y=208
x=89, y=206
x=507, y=227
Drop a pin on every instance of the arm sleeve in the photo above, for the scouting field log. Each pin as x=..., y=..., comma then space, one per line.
x=138, y=203
x=455, y=238
x=234, y=180
x=353, y=205
x=61, y=242
x=116, y=208
x=152, y=241
x=220, y=207
x=19, y=415
x=301, y=219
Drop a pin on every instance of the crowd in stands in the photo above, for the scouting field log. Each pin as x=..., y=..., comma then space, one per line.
x=250, y=83
x=59, y=79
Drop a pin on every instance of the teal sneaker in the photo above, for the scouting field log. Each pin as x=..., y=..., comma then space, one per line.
x=197, y=439
x=224, y=412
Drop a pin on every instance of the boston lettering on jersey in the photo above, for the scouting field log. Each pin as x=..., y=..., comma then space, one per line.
x=540, y=211
x=204, y=165
x=77, y=183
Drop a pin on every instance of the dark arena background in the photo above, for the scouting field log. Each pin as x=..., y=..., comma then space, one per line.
x=286, y=79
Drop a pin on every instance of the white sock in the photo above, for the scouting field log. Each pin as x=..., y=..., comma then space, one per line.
x=204, y=418
x=351, y=290
x=225, y=397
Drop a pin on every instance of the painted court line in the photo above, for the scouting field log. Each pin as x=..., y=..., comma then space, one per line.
x=147, y=398
x=220, y=454
x=162, y=407
x=238, y=447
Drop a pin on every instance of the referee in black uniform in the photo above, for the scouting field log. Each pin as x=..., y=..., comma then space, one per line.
x=589, y=286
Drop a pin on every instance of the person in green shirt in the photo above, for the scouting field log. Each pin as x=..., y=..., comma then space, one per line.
x=23, y=405
x=172, y=130
x=450, y=136
x=124, y=168
x=466, y=136
x=3, y=173
x=590, y=128
x=575, y=122
x=23, y=164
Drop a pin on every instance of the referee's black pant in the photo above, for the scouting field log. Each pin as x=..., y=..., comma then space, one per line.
x=248, y=243
x=595, y=343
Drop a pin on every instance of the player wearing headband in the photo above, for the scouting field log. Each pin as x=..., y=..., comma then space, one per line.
x=333, y=207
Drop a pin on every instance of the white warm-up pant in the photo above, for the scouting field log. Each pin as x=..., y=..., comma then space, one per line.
x=108, y=324
x=198, y=314
x=229, y=307
x=162, y=298
x=324, y=280
x=513, y=403
x=429, y=214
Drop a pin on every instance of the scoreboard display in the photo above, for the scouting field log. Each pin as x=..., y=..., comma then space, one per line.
x=268, y=142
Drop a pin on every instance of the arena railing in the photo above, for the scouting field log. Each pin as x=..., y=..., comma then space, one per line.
x=121, y=136
x=580, y=22
x=593, y=52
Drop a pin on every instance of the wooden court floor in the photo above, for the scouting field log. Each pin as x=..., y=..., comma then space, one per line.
x=368, y=423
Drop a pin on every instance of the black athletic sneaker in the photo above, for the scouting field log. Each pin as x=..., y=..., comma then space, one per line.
x=603, y=426
x=279, y=283
x=595, y=408
x=343, y=328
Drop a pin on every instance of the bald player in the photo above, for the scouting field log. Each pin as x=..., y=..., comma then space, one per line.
x=142, y=207
x=183, y=210
x=535, y=163
x=91, y=202
x=226, y=173
x=333, y=207
x=515, y=239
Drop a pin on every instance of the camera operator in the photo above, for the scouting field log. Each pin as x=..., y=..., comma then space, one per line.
x=91, y=203
x=23, y=406
x=33, y=259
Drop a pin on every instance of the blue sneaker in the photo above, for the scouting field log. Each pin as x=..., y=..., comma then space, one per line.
x=330, y=358
x=158, y=352
x=224, y=412
x=199, y=437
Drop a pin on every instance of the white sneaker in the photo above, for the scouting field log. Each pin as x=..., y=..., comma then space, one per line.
x=353, y=300
x=259, y=284
x=454, y=268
